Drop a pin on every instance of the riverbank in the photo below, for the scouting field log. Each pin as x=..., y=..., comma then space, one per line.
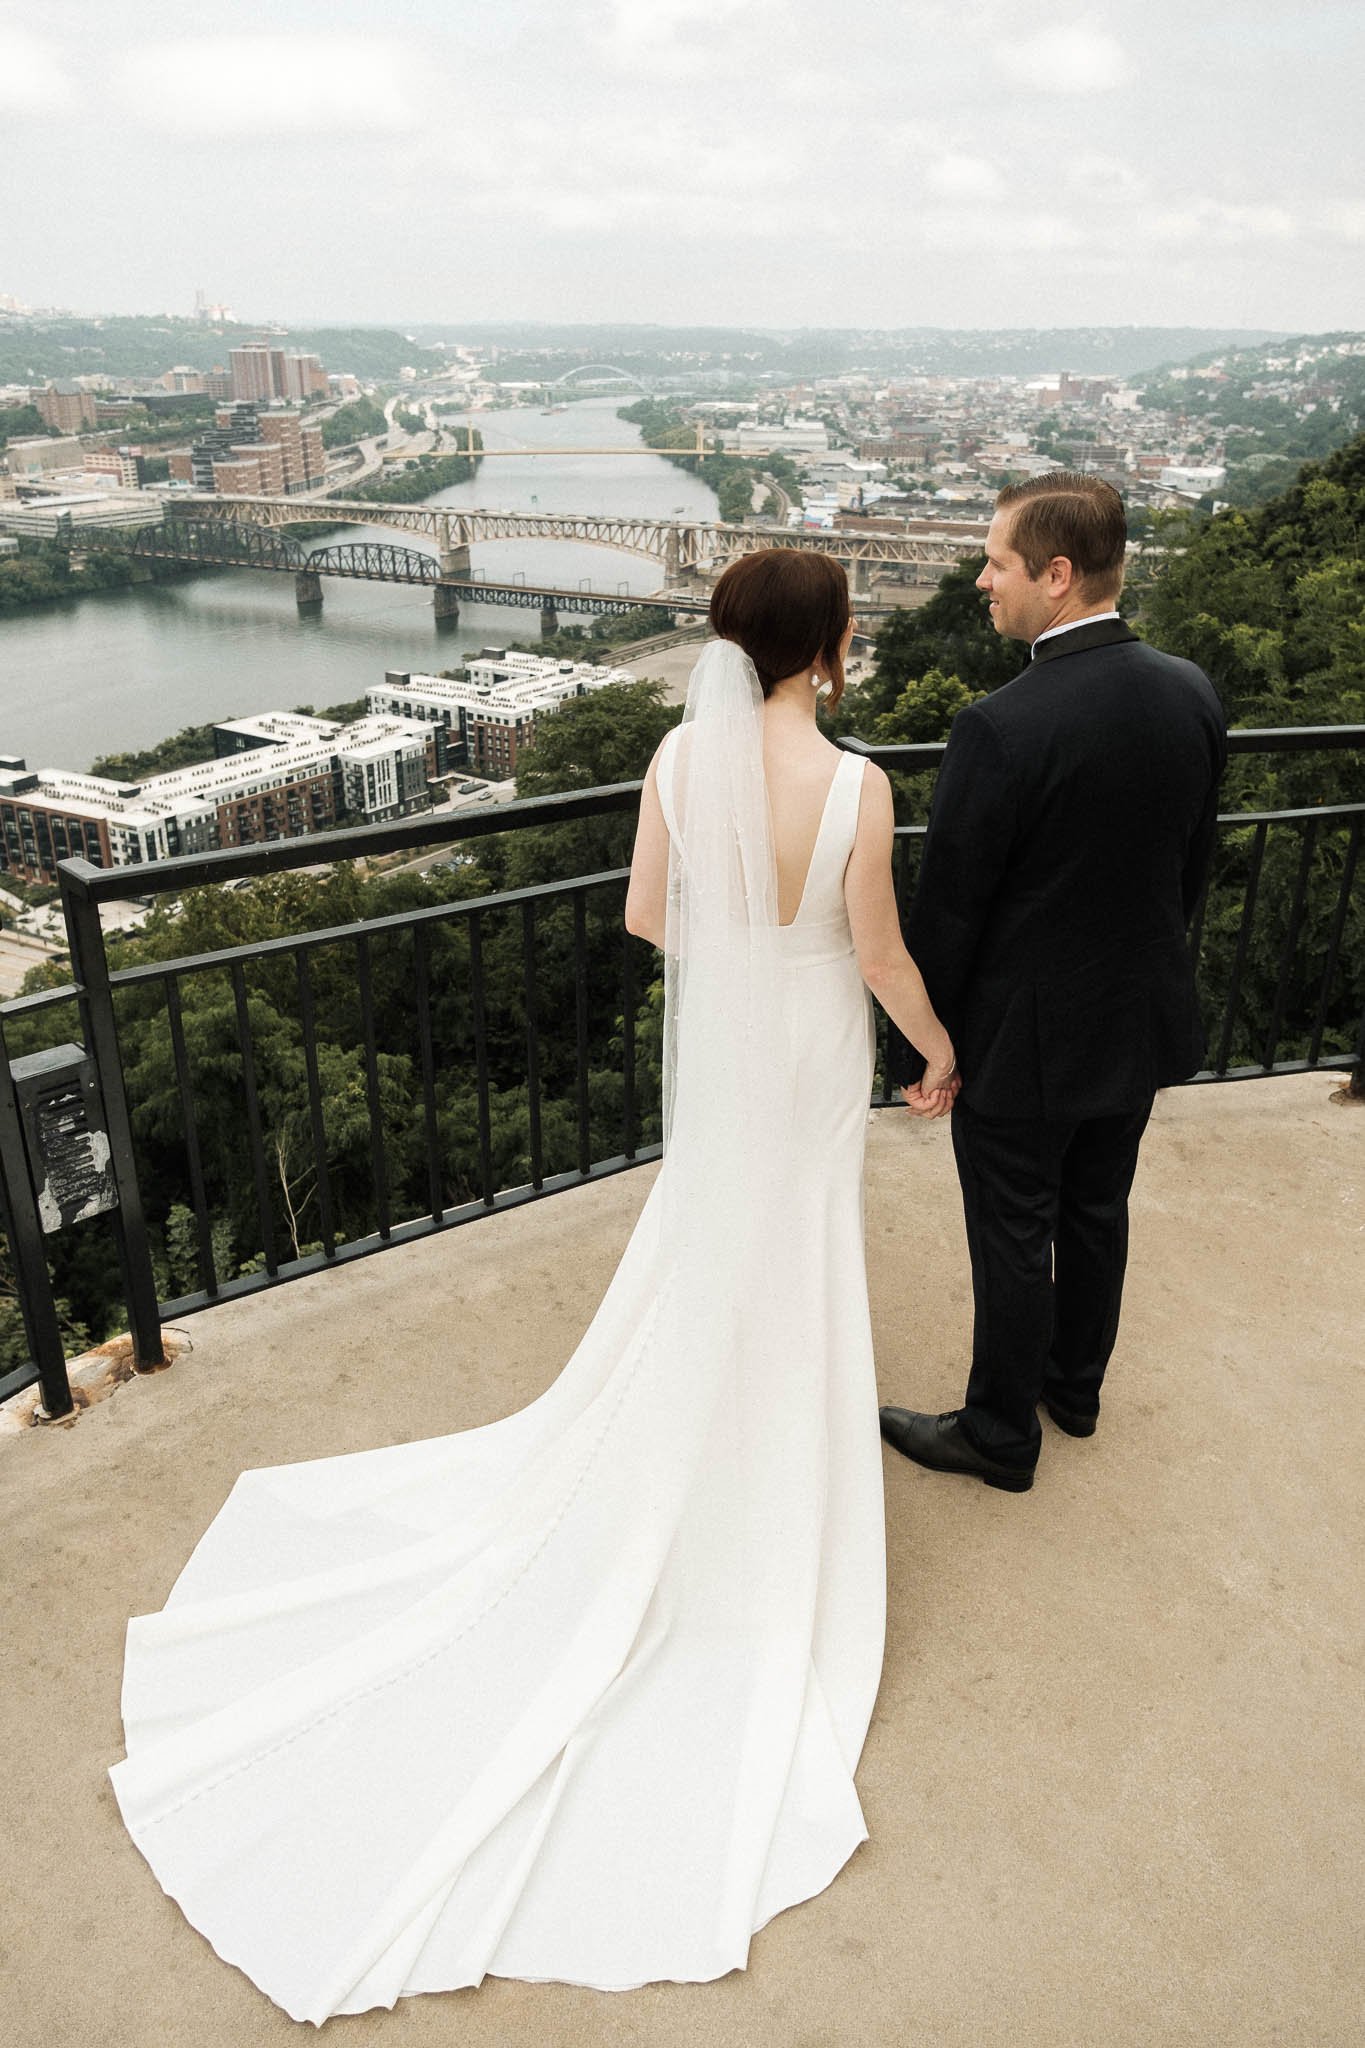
x=42, y=573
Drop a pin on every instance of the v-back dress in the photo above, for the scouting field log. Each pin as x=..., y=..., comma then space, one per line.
x=577, y=1695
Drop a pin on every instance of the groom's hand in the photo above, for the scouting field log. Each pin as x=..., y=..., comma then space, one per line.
x=926, y=1102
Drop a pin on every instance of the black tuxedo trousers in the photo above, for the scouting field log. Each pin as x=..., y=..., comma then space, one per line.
x=1045, y=1202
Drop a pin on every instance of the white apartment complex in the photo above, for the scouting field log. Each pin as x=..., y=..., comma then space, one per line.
x=275, y=777
x=486, y=717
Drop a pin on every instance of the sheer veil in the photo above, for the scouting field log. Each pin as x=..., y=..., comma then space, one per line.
x=723, y=1115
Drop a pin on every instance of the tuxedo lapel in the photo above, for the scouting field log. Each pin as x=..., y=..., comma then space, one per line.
x=1080, y=639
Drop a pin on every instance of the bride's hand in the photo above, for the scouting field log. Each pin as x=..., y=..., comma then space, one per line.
x=936, y=1093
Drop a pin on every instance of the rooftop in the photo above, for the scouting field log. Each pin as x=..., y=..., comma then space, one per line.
x=1114, y=1781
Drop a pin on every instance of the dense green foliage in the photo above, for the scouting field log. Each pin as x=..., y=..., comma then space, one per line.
x=192, y=743
x=42, y=571
x=1270, y=601
x=22, y=423
x=355, y=421
x=953, y=634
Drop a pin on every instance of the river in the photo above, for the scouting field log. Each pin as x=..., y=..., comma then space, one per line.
x=125, y=668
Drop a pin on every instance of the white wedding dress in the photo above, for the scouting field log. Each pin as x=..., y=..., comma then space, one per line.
x=577, y=1695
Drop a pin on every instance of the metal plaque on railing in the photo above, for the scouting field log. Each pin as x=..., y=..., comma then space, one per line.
x=59, y=1103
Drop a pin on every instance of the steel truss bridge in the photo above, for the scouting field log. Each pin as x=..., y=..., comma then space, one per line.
x=681, y=547
x=215, y=544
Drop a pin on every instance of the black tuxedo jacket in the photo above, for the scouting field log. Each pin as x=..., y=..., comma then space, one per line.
x=1070, y=831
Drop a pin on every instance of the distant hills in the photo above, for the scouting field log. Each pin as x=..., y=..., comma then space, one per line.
x=138, y=345
x=824, y=352
x=33, y=349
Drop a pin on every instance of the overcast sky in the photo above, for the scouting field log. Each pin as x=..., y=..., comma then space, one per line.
x=779, y=162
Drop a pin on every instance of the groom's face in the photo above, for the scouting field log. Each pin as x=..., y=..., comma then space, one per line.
x=1020, y=607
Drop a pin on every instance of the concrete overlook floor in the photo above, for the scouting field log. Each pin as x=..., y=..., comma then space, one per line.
x=1114, y=1780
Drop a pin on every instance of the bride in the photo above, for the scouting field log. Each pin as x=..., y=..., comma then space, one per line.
x=579, y=1695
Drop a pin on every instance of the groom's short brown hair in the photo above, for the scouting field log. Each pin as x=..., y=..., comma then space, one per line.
x=1068, y=513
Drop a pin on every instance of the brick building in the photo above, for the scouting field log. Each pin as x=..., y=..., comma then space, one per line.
x=66, y=407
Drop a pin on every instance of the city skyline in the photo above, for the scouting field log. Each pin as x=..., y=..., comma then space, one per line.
x=716, y=163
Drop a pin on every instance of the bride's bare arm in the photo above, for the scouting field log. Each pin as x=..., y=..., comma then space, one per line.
x=647, y=895
x=886, y=967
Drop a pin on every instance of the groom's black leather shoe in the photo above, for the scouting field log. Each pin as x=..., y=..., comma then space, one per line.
x=937, y=1442
x=1068, y=1419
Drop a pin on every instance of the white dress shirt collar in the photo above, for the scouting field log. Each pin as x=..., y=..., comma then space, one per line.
x=1090, y=619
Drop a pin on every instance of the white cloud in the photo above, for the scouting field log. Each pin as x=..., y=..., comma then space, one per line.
x=1078, y=59
x=32, y=80
x=964, y=177
x=270, y=85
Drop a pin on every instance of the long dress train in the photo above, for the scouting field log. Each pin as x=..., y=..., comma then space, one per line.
x=578, y=1695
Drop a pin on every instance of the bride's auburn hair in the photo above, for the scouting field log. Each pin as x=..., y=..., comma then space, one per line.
x=787, y=608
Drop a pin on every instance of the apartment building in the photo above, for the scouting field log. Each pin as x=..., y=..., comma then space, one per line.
x=304, y=376
x=257, y=372
x=279, y=776
x=484, y=719
x=302, y=458
x=252, y=453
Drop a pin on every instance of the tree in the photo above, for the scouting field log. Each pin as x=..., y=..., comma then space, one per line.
x=952, y=633
x=924, y=710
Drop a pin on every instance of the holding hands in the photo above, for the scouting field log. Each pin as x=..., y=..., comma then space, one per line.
x=937, y=1088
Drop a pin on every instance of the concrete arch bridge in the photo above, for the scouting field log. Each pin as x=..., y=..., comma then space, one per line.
x=593, y=373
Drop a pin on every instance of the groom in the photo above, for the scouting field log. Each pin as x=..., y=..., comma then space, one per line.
x=1070, y=833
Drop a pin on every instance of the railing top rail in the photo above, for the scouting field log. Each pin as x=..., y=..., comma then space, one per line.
x=87, y=883
x=43, y=999
x=1269, y=739
x=366, y=927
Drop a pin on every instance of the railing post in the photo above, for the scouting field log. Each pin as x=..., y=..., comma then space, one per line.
x=90, y=971
x=19, y=1214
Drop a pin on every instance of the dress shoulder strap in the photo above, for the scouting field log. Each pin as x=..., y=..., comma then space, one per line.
x=663, y=779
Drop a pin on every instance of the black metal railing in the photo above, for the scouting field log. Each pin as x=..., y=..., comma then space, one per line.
x=280, y=1106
